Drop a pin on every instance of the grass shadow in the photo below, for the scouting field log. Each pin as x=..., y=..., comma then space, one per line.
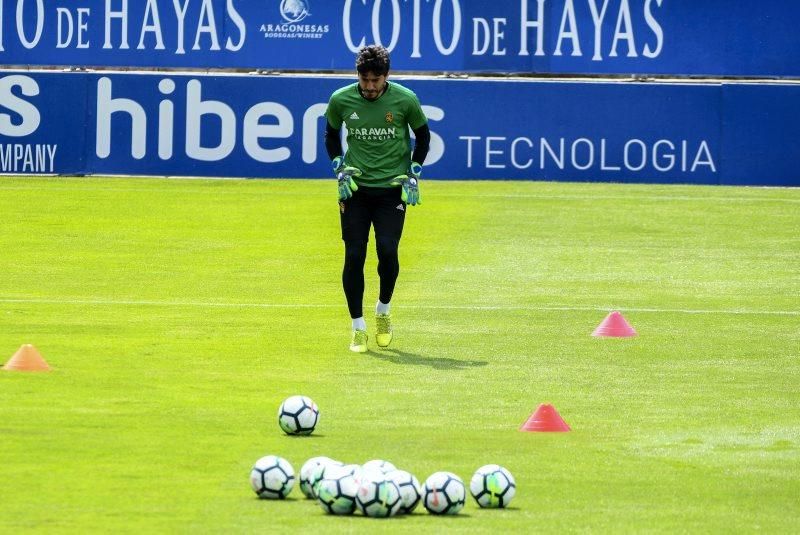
x=395, y=356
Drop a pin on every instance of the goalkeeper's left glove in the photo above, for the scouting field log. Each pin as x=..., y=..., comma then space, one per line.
x=415, y=170
x=410, y=194
x=411, y=187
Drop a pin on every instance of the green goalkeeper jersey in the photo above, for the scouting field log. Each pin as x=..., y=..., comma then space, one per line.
x=378, y=139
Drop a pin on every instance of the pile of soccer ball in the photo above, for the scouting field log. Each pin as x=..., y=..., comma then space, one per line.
x=376, y=488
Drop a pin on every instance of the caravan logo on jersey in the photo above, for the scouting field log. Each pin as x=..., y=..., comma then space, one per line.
x=293, y=13
x=373, y=134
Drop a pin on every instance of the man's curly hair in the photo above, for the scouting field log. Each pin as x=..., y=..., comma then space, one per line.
x=374, y=59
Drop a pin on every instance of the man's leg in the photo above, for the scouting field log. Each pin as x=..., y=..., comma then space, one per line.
x=388, y=266
x=388, y=220
x=355, y=255
x=355, y=221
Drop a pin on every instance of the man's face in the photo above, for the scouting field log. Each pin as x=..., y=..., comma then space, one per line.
x=371, y=84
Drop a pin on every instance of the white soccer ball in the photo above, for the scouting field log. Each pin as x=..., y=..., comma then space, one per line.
x=492, y=486
x=409, y=489
x=322, y=472
x=338, y=490
x=354, y=470
x=443, y=493
x=310, y=474
x=272, y=477
x=378, y=464
x=378, y=497
x=298, y=415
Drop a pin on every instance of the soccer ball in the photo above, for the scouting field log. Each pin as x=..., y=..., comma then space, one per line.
x=443, y=493
x=298, y=415
x=354, y=470
x=338, y=491
x=322, y=472
x=311, y=473
x=492, y=486
x=272, y=477
x=409, y=489
x=378, y=497
x=380, y=465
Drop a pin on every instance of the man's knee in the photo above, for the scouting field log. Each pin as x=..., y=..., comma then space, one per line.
x=386, y=247
x=355, y=252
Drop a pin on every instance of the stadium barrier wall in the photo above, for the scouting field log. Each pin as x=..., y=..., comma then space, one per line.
x=271, y=126
x=648, y=37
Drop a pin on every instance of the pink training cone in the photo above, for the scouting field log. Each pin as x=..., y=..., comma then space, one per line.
x=27, y=359
x=614, y=325
x=546, y=418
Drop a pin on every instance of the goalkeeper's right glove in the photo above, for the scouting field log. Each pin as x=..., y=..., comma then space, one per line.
x=344, y=176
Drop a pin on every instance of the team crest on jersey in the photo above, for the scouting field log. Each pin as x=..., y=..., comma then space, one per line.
x=389, y=117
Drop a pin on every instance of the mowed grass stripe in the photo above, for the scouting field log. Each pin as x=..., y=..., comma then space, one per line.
x=115, y=302
x=710, y=193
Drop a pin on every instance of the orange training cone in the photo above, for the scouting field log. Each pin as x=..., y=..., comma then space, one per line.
x=614, y=325
x=546, y=418
x=28, y=359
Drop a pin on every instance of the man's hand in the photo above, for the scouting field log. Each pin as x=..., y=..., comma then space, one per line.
x=415, y=170
x=346, y=186
x=411, y=186
x=337, y=164
x=410, y=194
x=344, y=176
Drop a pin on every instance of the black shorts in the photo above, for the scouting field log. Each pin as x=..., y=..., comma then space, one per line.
x=381, y=207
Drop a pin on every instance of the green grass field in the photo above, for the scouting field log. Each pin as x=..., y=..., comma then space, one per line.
x=178, y=314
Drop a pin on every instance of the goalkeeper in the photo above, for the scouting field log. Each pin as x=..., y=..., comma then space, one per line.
x=378, y=178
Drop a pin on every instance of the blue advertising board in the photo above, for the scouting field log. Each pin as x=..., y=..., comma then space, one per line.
x=271, y=126
x=43, y=124
x=657, y=37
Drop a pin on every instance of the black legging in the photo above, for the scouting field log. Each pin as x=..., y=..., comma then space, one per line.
x=355, y=255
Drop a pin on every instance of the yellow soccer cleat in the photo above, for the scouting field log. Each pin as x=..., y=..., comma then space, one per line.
x=359, y=342
x=383, y=335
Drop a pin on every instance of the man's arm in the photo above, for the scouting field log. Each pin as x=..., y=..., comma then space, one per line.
x=344, y=174
x=410, y=181
x=423, y=143
x=333, y=143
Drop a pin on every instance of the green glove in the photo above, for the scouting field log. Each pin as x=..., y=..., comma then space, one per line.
x=337, y=164
x=415, y=170
x=411, y=189
x=346, y=186
x=344, y=176
x=410, y=194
